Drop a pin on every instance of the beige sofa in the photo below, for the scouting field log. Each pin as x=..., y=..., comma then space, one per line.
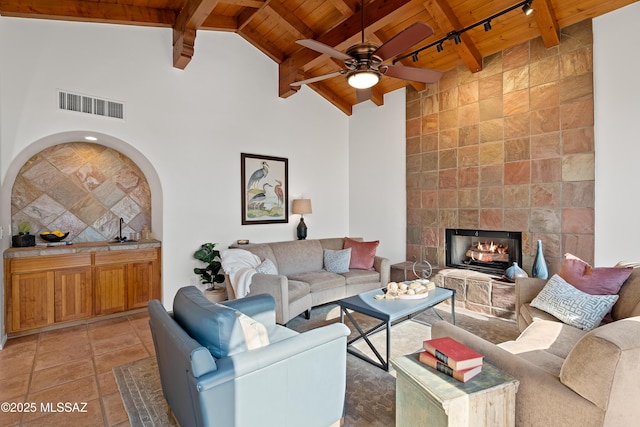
x=569, y=377
x=302, y=282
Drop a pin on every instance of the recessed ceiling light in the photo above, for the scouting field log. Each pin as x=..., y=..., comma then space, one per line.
x=90, y=138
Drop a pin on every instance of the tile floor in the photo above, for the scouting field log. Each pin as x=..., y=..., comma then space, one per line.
x=72, y=365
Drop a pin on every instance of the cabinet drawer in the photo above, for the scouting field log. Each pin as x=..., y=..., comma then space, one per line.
x=126, y=256
x=49, y=262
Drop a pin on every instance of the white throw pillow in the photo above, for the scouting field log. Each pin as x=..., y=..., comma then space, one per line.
x=337, y=261
x=571, y=305
x=267, y=267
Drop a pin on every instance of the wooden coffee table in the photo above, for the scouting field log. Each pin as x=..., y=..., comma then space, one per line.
x=389, y=311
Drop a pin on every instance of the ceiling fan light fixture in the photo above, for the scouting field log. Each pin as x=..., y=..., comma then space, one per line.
x=363, y=79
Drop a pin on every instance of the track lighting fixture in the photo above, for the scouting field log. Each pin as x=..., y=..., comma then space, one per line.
x=455, y=35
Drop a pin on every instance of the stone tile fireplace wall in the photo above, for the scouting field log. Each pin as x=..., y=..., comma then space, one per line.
x=82, y=188
x=508, y=148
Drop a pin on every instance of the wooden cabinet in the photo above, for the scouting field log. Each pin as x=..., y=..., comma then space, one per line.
x=41, y=291
x=126, y=280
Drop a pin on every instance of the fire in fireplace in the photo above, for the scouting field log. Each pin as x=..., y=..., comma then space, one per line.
x=486, y=251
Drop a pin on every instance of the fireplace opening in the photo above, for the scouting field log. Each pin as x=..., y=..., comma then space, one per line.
x=486, y=251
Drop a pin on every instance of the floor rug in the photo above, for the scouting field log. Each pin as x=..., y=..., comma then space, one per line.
x=370, y=394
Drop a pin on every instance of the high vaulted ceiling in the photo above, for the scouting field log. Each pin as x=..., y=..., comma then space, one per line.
x=273, y=26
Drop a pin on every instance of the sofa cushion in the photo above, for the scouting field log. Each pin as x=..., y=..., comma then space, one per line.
x=298, y=256
x=319, y=280
x=550, y=336
x=628, y=304
x=297, y=290
x=362, y=253
x=594, y=281
x=337, y=261
x=571, y=305
x=357, y=277
x=603, y=366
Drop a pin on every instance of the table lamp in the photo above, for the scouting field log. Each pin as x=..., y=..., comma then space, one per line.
x=301, y=206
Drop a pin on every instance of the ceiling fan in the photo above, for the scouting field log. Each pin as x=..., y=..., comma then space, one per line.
x=364, y=62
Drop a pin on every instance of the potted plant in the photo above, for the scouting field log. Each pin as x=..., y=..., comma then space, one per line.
x=23, y=238
x=210, y=273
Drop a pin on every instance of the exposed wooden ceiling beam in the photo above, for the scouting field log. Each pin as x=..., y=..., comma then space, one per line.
x=220, y=23
x=88, y=11
x=190, y=18
x=377, y=14
x=547, y=23
x=448, y=21
x=289, y=21
x=342, y=7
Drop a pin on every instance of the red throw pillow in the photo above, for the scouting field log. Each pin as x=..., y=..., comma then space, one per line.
x=594, y=281
x=362, y=253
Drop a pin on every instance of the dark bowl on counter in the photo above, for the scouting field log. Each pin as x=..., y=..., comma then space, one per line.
x=53, y=237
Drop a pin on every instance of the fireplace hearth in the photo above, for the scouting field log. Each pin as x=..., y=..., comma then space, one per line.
x=486, y=251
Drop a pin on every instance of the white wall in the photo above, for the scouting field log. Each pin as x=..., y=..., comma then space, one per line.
x=377, y=174
x=188, y=127
x=617, y=141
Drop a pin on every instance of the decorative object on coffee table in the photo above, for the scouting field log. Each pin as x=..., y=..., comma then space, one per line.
x=514, y=272
x=539, y=268
x=301, y=207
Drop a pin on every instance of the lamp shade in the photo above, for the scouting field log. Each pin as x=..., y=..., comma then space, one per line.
x=301, y=206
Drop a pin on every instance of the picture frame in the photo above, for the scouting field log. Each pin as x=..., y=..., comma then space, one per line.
x=265, y=189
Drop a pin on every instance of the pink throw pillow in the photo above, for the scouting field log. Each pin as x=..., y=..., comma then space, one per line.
x=362, y=253
x=594, y=281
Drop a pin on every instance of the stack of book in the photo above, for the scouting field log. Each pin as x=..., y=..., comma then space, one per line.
x=452, y=358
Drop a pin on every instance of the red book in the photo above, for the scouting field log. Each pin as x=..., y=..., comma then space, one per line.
x=452, y=353
x=463, y=375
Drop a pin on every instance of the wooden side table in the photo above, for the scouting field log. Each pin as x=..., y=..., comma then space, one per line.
x=425, y=396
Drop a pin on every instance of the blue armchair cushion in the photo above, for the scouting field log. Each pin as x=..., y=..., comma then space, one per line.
x=215, y=326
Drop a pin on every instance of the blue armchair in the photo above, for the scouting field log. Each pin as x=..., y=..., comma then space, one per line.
x=210, y=378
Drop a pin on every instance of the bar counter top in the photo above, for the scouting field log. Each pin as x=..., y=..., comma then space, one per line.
x=43, y=249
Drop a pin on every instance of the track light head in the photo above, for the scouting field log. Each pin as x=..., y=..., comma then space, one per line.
x=487, y=25
x=527, y=9
x=414, y=57
x=456, y=38
x=439, y=47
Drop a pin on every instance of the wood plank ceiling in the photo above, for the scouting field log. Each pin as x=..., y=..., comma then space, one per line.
x=273, y=26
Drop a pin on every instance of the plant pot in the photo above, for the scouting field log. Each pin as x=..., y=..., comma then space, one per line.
x=23, y=240
x=217, y=294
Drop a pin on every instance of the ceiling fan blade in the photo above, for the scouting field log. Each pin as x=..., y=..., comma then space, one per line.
x=318, y=78
x=363, y=94
x=404, y=40
x=323, y=48
x=414, y=74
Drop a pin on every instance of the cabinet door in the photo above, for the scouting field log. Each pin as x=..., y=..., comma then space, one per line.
x=110, y=288
x=142, y=284
x=73, y=294
x=32, y=300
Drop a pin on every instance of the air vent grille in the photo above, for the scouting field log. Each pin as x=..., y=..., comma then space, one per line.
x=90, y=105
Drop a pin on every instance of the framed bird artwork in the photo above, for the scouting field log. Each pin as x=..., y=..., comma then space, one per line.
x=265, y=189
